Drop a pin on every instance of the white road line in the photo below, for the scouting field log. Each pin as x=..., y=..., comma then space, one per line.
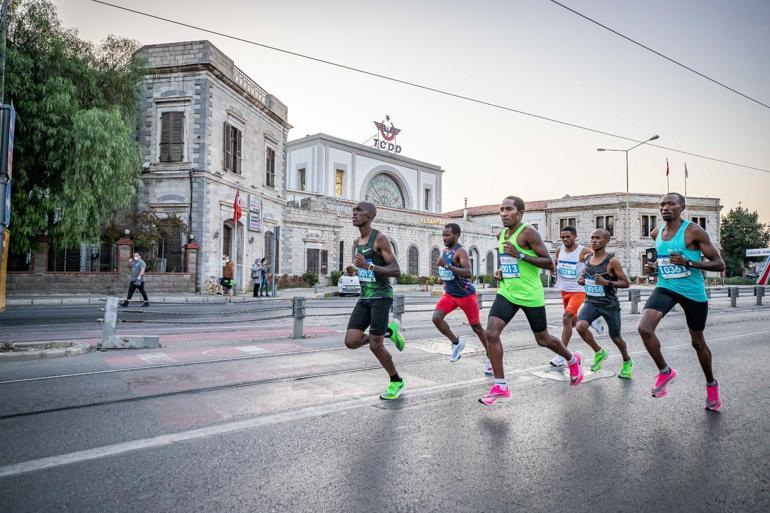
x=155, y=358
x=264, y=420
x=252, y=349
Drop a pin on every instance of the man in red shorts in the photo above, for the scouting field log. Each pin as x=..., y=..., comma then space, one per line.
x=569, y=262
x=454, y=268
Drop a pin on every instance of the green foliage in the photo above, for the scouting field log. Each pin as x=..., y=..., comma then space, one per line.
x=335, y=277
x=407, y=279
x=737, y=280
x=741, y=230
x=76, y=161
x=310, y=278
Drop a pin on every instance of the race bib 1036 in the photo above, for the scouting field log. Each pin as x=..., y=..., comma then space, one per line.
x=671, y=271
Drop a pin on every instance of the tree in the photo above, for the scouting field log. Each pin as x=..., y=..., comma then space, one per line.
x=76, y=160
x=741, y=230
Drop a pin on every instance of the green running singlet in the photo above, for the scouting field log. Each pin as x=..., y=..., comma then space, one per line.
x=521, y=283
x=372, y=285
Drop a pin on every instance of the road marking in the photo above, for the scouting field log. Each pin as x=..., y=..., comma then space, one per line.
x=256, y=422
x=155, y=358
x=563, y=374
x=252, y=349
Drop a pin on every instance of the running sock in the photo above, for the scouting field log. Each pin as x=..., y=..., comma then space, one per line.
x=573, y=360
x=396, y=377
x=456, y=342
x=501, y=383
x=388, y=333
x=712, y=383
x=665, y=370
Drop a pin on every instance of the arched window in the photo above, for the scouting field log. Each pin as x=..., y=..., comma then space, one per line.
x=395, y=249
x=490, y=262
x=473, y=254
x=434, y=255
x=384, y=190
x=414, y=261
x=269, y=238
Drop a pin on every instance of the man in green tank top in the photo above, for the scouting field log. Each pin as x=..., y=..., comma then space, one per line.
x=522, y=254
x=374, y=263
x=680, y=246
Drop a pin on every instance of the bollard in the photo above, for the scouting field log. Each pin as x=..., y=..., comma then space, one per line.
x=110, y=320
x=298, y=312
x=759, y=291
x=634, y=295
x=733, y=291
x=480, y=300
x=708, y=293
x=398, y=307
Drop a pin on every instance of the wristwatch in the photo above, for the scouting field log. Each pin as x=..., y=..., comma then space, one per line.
x=689, y=264
x=523, y=257
x=371, y=267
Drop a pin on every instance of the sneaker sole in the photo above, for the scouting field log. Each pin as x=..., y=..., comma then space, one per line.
x=717, y=407
x=495, y=401
x=392, y=398
x=664, y=391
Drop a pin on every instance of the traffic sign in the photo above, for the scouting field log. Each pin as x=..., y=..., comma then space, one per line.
x=758, y=252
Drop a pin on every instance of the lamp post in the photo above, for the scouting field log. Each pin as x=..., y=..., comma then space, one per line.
x=628, y=228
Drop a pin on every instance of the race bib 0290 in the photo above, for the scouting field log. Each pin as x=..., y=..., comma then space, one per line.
x=671, y=271
x=568, y=270
x=509, y=266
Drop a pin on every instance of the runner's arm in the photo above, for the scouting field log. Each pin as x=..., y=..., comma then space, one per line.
x=713, y=260
x=556, y=260
x=543, y=259
x=464, y=270
x=622, y=281
x=391, y=267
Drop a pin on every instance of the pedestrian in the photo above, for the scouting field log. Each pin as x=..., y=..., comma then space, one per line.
x=263, y=287
x=256, y=275
x=227, y=281
x=137, y=267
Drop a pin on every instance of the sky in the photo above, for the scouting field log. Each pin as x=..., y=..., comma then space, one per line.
x=531, y=55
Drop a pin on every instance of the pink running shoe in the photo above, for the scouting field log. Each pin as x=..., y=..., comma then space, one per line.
x=659, y=389
x=576, y=369
x=495, y=393
x=712, y=398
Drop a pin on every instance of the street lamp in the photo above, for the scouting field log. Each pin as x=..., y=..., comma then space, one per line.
x=628, y=228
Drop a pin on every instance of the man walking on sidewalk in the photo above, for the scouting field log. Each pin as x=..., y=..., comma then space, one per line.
x=375, y=263
x=137, y=267
x=681, y=246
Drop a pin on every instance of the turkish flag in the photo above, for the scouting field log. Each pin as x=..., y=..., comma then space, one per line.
x=237, y=210
x=666, y=167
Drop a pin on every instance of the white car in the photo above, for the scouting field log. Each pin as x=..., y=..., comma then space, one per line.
x=348, y=285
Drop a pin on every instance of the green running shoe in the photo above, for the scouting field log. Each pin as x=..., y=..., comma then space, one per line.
x=626, y=369
x=396, y=336
x=599, y=357
x=393, y=391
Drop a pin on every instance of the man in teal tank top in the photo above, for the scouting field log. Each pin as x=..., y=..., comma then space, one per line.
x=374, y=263
x=680, y=245
x=522, y=254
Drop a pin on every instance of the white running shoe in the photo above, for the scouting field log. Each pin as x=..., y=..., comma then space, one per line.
x=598, y=326
x=488, y=367
x=558, y=361
x=456, y=350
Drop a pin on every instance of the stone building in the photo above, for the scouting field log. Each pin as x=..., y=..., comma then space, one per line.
x=608, y=210
x=326, y=176
x=207, y=131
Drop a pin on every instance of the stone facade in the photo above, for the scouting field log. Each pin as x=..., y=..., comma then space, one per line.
x=198, y=80
x=324, y=223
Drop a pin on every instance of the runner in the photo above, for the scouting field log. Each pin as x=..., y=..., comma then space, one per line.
x=454, y=268
x=680, y=246
x=522, y=254
x=569, y=265
x=602, y=276
x=374, y=263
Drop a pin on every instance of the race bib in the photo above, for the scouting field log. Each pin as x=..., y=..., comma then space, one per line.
x=445, y=274
x=671, y=271
x=592, y=289
x=509, y=266
x=568, y=270
x=365, y=275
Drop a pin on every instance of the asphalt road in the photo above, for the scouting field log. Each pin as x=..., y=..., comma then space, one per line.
x=284, y=425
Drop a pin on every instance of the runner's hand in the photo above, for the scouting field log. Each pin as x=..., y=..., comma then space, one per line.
x=677, y=259
x=499, y=274
x=581, y=280
x=650, y=267
x=441, y=262
x=360, y=261
x=601, y=280
x=350, y=270
x=511, y=250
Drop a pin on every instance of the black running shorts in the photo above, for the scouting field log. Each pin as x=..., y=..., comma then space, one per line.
x=505, y=310
x=696, y=312
x=589, y=312
x=371, y=313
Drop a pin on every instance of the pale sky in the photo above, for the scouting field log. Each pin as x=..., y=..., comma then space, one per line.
x=531, y=55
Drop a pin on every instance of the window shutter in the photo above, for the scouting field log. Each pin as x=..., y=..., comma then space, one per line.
x=228, y=148
x=177, y=136
x=324, y=262
x=238, y=142
x=165, y=136
x=312, y=261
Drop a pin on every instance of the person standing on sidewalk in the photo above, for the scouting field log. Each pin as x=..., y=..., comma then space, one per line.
x=137, y=267
x=375, y=263
x=228, y=274
x=263, y=281
x=684, y=251
x=256, y=275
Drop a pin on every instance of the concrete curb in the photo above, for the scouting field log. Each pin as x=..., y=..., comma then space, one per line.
x=38, y=350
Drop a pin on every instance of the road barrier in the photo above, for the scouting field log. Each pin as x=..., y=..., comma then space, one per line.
x=299, y=309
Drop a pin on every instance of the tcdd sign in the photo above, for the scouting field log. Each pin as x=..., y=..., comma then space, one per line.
x=387, y=139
